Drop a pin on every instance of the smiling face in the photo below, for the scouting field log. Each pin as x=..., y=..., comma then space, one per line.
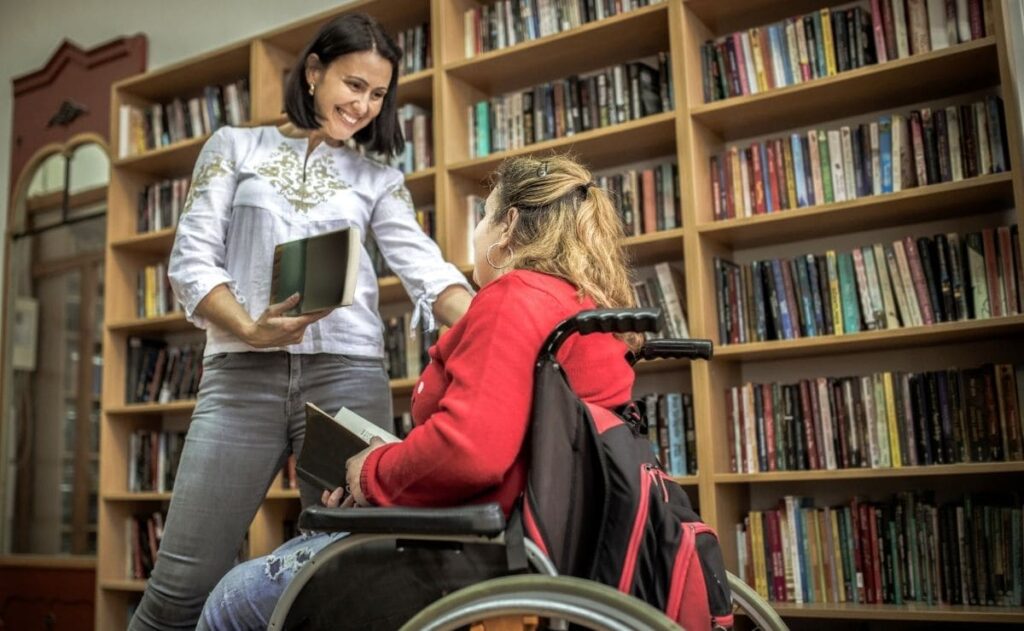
x=349, y=92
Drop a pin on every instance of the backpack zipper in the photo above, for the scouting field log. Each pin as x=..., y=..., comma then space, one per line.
x=636, y=536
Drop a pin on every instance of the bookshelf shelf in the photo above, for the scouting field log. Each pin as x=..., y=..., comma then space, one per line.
x=421, y=185
x=724, y=16
x=925, y=203
x=647, y=137
x=908, y=612
x=590, y=46
x=170, y=322
x=881, y=86
x=396, y=14
x=226, y=63
x=137, y=496
x=910, y=337
x=149, y=409
x=656, y=246
x=124, y=585
x=391, y=289
x=962, y=469
x=169, y=161
x=417, y=88
x=153, y=243
x=686, y=480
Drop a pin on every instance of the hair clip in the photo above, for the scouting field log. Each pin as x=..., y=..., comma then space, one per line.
x=543, y=170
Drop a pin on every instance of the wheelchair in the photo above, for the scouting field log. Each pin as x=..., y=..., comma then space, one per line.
x=451, y=568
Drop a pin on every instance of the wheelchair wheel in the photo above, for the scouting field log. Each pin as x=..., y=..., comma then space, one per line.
x=757, y=609
x=587, y=603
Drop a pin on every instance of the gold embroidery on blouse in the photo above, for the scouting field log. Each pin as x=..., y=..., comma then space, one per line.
x=284, y=171
x=217, y=166
x=402, y=194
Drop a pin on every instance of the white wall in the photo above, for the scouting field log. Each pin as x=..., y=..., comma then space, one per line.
x=30, y=30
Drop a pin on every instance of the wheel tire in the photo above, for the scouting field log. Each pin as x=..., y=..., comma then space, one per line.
x=576, y=600
x=760, y=612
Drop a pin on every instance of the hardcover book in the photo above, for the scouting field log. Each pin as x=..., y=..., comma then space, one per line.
x=321, y=268
x=330, y=441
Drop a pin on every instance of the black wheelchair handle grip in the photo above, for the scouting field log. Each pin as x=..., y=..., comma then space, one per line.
x=619, y=321
x=676, y=349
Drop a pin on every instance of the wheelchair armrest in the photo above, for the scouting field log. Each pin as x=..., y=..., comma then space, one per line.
x=484, y=519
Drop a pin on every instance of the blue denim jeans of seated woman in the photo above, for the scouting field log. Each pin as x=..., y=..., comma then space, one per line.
x=245, y=599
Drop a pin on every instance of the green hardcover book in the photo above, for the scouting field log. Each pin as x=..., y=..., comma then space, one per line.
x=848, y=293
x=483, y=128
x=826, y=167
x=322, y=269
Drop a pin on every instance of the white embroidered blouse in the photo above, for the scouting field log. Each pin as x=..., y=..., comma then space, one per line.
x=253, y=188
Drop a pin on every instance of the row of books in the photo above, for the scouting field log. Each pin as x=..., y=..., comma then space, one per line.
x=153, y=458
x=908, y=282
x=509, y=22
x=661, y=286
x=141, y=129
x=427, y=218
x=886, y=419
x=405, y=347
x=153, y=294
x=569, y=106
x=908, y=549
x=647, y=199
x=156, y=372
x=162, y=203
x=891, y=154
x=670, y=426
x=415, y=45
x=143, y=534
x=417, y=129
x=829, y=41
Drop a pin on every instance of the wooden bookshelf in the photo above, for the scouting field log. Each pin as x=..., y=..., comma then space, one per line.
x=690, y=133
x=824, y=475
x=881, y=86
x=909, y=612
x=909, y=337
x=926, y=203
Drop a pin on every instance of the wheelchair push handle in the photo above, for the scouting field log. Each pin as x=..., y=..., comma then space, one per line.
x=600, y=321
x=673, y=349
x=618, y=321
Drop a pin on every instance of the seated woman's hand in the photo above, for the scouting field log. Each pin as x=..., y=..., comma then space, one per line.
x=337, y=497
x=353, y=473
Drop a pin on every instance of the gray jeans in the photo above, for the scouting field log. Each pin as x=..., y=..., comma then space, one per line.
x=249, y=416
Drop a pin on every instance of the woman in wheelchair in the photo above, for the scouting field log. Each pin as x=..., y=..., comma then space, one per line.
x=546, y=248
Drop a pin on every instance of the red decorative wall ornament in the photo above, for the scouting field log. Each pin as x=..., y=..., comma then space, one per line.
x=69, y=95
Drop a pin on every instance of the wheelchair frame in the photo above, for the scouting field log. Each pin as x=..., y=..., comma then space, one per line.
x=562, y=599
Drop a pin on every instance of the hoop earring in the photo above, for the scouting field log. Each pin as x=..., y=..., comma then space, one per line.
x=312, y=89
x=487, y=256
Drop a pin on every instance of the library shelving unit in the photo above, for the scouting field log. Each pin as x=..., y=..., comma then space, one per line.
x=689, y=134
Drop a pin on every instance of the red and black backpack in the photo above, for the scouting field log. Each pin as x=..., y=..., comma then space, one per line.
x=600, y=505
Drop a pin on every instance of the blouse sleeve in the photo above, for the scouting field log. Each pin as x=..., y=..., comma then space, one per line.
x=197, y=262
x=469, y=445
x=410, y=253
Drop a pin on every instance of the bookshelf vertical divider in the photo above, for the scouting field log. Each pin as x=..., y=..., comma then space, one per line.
x=456, y=83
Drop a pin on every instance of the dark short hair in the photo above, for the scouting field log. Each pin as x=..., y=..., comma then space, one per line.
x=349, y=33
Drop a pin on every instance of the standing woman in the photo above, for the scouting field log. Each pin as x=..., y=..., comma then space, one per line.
x=253, y=188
